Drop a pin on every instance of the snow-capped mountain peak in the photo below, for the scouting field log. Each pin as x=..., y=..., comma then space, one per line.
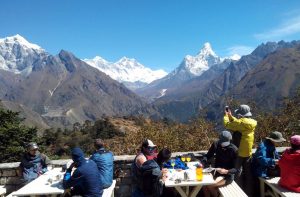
x=235, y=57
x=128, y=62
x=17, y=55
x=100, y=60
x=198, y=64
x=126, y=70
x=17, y=39
x=207, y=50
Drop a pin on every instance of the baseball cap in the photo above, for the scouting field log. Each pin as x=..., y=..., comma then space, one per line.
x=148, y=143
x=224, y=138
x=32, y=146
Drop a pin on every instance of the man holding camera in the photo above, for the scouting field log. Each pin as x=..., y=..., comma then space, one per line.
x=245, y=126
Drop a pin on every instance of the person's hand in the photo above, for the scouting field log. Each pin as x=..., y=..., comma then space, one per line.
x=164, y=170
x=71, y=167
x=164, y=177
x=276, y=161
x=222, y=171
x=228, y=112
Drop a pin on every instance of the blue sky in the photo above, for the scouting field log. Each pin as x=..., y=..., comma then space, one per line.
x=158, y=33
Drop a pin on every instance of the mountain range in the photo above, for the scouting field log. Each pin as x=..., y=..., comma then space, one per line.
x=128, y=71
x=209, y=95
x=62, y=88
x=59, y=90
x=191, y=67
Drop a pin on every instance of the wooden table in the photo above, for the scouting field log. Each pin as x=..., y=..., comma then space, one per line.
x=277, y=190
x=183, y=187
x=41, y=186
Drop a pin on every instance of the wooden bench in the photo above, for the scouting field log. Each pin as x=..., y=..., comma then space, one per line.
x=232, y=190
x=2, y=190
x=109, y=192
x=277, y=191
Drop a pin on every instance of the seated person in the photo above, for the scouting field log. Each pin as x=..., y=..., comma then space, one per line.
x=151, y=176
x=148, y=152
x=85, y=180
x=266, y=155
x=265, y=159
x=105, y=162
x=290, y=166
x=33, y=163
x=225, y=154
x=163, y=156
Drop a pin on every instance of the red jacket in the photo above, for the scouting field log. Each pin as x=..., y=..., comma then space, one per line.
x=290, y=170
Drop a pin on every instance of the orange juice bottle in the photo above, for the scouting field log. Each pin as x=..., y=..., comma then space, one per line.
x=199, y=174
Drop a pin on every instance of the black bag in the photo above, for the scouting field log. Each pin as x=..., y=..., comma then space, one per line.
x=236, y=138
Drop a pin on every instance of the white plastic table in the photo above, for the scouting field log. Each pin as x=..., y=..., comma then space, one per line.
x=41, y=186
x=207, y=180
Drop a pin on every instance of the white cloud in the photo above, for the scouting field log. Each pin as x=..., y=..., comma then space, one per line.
x=240, y=50
x=288, y=27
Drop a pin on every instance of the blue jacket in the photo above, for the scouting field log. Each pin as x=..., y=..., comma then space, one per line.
x=264, y=158
x=85, y=179
x=33, y=166
x=178, y=164
x=105, y=163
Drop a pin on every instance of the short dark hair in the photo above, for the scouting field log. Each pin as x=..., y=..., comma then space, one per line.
x=163, y=156
x=99, y=143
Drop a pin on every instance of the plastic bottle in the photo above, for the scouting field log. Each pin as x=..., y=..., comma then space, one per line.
x=199, y=172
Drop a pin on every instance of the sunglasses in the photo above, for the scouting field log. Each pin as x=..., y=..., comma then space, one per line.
x=151, y=148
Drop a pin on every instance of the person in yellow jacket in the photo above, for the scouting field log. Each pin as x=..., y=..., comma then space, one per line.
x=245, y=126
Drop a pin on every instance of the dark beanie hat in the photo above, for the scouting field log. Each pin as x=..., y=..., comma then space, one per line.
x=77, y=154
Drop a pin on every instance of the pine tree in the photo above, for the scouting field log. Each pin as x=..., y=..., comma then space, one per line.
x=13, y=136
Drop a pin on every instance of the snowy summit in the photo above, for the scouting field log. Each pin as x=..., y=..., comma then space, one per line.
x=196, y=65
x=126, y=70
x=17, y=54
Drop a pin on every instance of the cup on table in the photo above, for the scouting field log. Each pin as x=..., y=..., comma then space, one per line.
x=188, y=158
x=50, y=167
x=58, y=177
x=49, y=181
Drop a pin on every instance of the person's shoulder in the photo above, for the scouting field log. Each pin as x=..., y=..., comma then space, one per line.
x=91, y=162
x=140, y=159
x=233, y=147
x=262, y=145
x=249, y=120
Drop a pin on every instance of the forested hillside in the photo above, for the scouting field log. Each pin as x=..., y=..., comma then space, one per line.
x=123, y=135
